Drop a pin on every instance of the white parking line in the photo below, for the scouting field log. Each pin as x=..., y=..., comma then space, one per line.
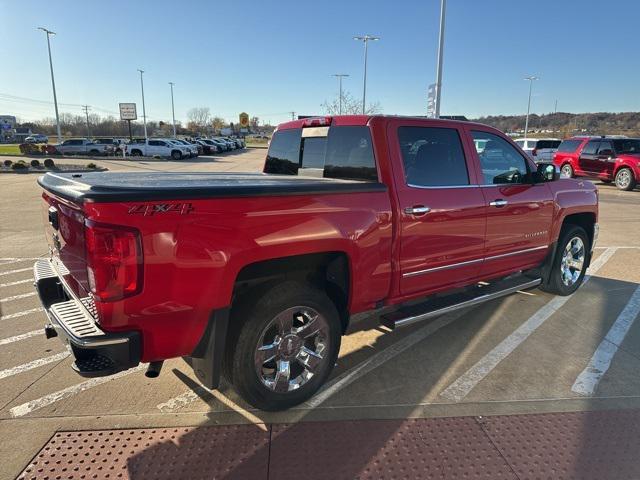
x=16, y=282
x=38, y=403
x=17, y=297
x=11, y=260
x=17, y=338
x=600, y=362
x=9, y=272
x=21, y=314
x=341, y=381
x=461, y=387
x=9, y=372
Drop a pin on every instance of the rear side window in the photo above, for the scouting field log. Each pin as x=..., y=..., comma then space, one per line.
x=343, y=153
x=432, y=157
x=284, y=153
x=520, y=143
x=569, y=146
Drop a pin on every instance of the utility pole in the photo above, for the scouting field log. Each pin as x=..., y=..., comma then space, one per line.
x=531, y=78
x=366, y=39
x=293, y=115
x=555, y=109
x=173, y=112
x=144, y=112
x=86, y=112
x=53, y=82
x=340, y=76
x=438, y=98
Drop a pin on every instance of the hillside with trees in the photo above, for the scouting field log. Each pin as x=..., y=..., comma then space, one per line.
x=563, y=124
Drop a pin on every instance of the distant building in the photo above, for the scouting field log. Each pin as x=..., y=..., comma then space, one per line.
x=20, y=133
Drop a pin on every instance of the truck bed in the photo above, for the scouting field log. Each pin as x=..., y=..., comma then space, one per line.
x=118, y=187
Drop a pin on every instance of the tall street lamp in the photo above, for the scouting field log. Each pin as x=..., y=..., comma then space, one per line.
x=173, y=112
x=438, y=96
x=365, y=39
x=531, y=78
x=144, y=112
x=340, y=76
x=53, y=82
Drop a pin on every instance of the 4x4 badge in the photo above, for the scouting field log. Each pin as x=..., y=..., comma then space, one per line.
x=150, y=209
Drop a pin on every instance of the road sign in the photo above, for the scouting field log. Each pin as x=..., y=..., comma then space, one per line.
x=244, y=120
x=431, y=101
x=128, y=111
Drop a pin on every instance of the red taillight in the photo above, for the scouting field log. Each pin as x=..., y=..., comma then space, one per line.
x=114, y=261
x=534, y=152
x=317, y=122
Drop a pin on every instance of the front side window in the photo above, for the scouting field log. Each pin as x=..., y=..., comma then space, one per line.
x=605, y=148
x=501, y=163
x=547, y=144
x=432, y=157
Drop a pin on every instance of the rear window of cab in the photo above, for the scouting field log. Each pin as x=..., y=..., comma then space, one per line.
x=343, y=152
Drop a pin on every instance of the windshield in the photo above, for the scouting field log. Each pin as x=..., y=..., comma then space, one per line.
x=627, y=145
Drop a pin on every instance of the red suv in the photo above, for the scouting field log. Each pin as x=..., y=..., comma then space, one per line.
x=610, y=159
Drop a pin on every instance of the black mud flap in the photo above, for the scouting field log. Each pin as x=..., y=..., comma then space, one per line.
x=206, y=359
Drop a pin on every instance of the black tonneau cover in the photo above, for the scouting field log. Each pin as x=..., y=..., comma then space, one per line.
x=135, y=186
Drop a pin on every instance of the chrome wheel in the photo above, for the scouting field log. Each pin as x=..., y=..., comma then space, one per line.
x=572, y=261
x=291, y=349
x=567, y=171
x=623, y=179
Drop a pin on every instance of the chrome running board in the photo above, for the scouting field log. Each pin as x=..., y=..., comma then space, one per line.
x=442, y=305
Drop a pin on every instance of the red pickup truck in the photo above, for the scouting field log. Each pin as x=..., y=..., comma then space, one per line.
x=256, y=276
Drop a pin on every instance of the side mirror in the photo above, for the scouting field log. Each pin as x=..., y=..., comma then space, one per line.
x=547, y=172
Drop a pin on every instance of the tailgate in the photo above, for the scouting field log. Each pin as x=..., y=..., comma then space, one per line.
x=64, y=229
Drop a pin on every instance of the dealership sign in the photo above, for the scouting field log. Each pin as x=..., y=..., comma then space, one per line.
x=244, y=120
x=128, y=111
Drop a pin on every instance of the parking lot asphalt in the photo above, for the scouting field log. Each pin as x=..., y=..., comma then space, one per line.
x=530, y=352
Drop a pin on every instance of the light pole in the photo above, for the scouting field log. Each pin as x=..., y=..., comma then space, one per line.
x=340, y=76
x=144, y=112
x=53, y=82
x=443, y=7
x=86, y=112
x=173, y=112
x=531, y=78
x=365, y=39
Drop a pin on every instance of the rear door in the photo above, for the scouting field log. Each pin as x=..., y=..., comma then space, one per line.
x=442, y=216
x=588, y=160
x=519, y=212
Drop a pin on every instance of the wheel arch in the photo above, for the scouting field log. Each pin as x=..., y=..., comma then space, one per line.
x=328, y=271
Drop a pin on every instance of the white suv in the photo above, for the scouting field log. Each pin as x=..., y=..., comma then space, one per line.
x=158, y=148
x=539, y=149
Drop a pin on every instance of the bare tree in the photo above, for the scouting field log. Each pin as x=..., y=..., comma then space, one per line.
x=217, y=123
x=350, y=106
x=199, y=116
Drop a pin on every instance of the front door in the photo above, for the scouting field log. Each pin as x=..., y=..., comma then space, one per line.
x=605, y=160
x=442, y=220
x=519, y=212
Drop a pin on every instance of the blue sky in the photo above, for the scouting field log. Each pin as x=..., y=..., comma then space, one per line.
x=270, y=57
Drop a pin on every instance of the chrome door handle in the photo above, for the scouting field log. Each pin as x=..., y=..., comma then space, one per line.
x=417, y=210
x=498, y=203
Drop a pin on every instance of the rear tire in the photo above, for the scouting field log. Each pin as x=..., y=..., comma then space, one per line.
x=278, y=359
x=625, y=179
x=136, y=153
x=567, y=170
x=570, y=262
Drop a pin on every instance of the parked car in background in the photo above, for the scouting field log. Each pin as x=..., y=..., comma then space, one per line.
x=539, y=149
x=36, y=138
x=199, y=147
x=207, y=148
x=220, y=146
x=610, y=159
x=193, y=150
x=84, y=146
x=155, y=147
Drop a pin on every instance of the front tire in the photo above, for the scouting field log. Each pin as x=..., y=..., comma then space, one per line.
x=567, y=170
x=570, y=262
x=285, y=347
x=625, y=179
x=176, y=155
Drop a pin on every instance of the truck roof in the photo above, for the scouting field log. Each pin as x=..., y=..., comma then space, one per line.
x=360, y=120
